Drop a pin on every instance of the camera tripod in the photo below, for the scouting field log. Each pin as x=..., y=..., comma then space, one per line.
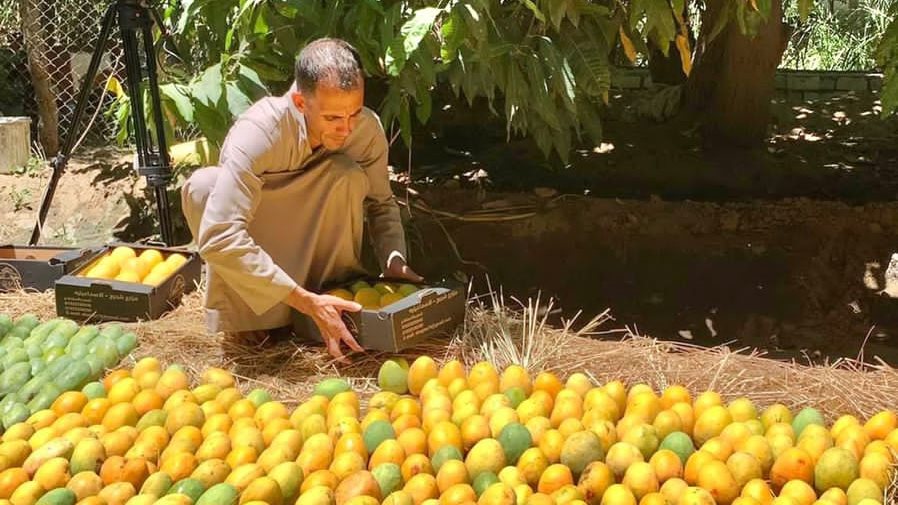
x=135, y=21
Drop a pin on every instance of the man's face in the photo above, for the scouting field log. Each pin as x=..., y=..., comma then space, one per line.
x=331, y=114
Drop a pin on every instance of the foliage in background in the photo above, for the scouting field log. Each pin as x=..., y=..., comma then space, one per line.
x=12, y=86
x=837, y=35
x=543, y=65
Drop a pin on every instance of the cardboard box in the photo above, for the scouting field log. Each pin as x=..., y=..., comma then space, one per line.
x=83, y=298
x=38, y=267
x=432, y=312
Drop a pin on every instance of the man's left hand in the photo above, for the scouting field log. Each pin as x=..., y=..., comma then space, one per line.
x=400, y=270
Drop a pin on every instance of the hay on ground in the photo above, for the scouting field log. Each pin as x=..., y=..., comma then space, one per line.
x=506, y=334
x=503, y=335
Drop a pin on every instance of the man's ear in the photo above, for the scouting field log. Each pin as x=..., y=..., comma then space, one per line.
x=299, y=101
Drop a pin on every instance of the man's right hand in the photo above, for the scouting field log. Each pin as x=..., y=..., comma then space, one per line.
x=326, y=311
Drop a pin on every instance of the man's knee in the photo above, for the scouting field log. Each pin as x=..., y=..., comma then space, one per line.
x=194, y=194
x=200, y=183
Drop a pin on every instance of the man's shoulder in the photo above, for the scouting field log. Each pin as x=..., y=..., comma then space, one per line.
x=264, y=130
x=368, y=126
x=369, y=116
x=267, y=111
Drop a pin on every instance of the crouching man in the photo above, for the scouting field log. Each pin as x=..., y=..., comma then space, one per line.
x=283, y=212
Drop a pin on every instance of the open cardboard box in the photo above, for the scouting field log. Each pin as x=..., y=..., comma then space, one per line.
x=434, y=311
x=38, y=267
x=83, y=298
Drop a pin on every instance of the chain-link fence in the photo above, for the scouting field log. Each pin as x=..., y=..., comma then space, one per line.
x=45, y=49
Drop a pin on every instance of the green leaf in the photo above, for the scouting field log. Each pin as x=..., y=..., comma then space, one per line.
x=395, y=58
x=678, y=6
x=538, y=14
x=557, y=11
x=453, y=33
x=456, y=73
x=391, y=19
x=589, y=60
x=516, y=88
x=562, y=144
x=723, y=16
x=749, y=20
x=764, y=7
x=543, y=139
x=475, y=22
x=567, y=78
x=389, y=107
x=417, y=27
x=260, y=26
x=637, y=10
x=590, y=9
x=237, y=100
x=562, y=76
x=242, y=21
x=660, y=23
x=424, y=108
x=804, y=9
x=182, y=106
x=188, y=9
x=411, y=33
x=375, y=4
x=213, y=125
x=123, y=118
x=208, y=90
x=740, y=17
x=405, y=121
x=250, y=82
x=589, y=118
x=270, y=72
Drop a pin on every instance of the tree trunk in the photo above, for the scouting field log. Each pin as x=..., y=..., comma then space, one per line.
x=732, y=80
x=37, y=49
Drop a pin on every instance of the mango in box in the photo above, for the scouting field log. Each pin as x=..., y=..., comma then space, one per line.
x=150, y=267
x=375, y=297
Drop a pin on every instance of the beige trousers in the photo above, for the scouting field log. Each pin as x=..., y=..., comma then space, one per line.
x=310, y=222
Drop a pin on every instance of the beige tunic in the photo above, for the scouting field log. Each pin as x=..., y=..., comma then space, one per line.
x=274, y=214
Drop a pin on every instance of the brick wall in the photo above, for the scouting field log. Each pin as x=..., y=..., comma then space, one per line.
x=795, y=84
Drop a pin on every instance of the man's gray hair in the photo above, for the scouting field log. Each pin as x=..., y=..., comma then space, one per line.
x=331, y=61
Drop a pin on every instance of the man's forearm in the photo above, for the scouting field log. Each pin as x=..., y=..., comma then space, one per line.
x=248, y=270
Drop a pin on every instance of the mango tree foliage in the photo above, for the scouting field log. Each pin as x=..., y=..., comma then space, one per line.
x=544, y=66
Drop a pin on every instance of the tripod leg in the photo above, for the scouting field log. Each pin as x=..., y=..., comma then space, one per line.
x=164, y=214
x=134, y=76
x=59, y=163
x=162, y=177
x=153, y=160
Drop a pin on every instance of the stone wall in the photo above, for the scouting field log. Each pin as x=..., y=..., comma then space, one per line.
x=795, y=84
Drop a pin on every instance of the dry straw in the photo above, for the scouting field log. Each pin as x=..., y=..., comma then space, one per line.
x=518, y=333
x=506, y=332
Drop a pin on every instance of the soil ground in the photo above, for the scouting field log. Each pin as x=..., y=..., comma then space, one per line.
x=763, y=248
